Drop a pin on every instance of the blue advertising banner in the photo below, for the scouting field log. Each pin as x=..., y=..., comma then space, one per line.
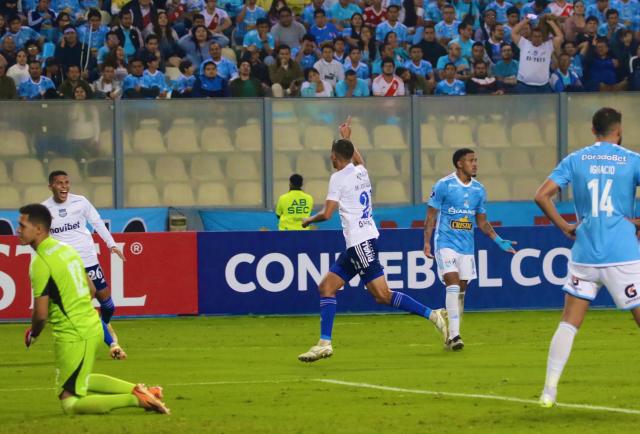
x=278, y=272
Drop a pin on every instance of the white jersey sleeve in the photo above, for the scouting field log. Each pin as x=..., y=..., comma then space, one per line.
x=94, y=219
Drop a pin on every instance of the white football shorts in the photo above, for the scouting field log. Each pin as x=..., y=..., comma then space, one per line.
x=450, y=261
x=622, y=282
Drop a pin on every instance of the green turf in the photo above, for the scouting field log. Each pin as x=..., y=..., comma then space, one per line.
x=262, y=388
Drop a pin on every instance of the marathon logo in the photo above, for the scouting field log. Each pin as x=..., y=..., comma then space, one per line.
x=66, y=227
x=620, y=159
x=462, y=225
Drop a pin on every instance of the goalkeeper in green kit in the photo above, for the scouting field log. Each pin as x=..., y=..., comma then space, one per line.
x=61, y=295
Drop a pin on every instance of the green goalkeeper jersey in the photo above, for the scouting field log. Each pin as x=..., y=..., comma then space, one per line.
x=57, y=271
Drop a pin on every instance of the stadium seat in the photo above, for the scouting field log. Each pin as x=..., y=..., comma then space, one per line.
x=69, y=165
x=544, y=161
x=388, y=137
x=182, y=139
x=36, y=193
x=390, y=191
x=206, y=168
x=360, y=136
x=456, y=135
x=247, y=193
x=580, y=135
x=425, y=162
x=312, y=165
x=488, y=162
x=106, y=141
x=286, y=138
x=184, y=122
x=317, y=189
x=178, y=194
x=216, y=139
x=82, y=190
x=443, y=164
x=28, y=171
x=136, y=169
x=172, y=72
x=213, y=194
x=148, y=140
x=318, y=137
x=14, y=144
x=497, y=188
x=242, y=168
x=249, y=138
x=170, y=169
x=427, y=187
x=281, y=187
x=551, y=135
x=143, y=195
x=381, y=165
x=103, y=196
x=516, y=161
x=405, y=162
x=429, y=136
x=282, y=166
x=527, y=134
x=4, y=174
x=525, y=187
x=492, y=135
x=10, y=197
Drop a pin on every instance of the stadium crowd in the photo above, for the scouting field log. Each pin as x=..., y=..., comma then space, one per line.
x=83, y=49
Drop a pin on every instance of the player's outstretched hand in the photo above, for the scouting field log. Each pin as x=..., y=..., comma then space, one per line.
x=506, y=245
x=118, y=252
x=427, y=250
x=306, y=222
x=345, y=128
x=29, y=339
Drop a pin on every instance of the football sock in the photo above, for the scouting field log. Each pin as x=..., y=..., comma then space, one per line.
x=559, y=352
x=108, y=339
x=327, y=314
x=107, y=308
x=451, y=303
x=402, y=301
x=461, y=304
x=98, y=404
x=99, y=383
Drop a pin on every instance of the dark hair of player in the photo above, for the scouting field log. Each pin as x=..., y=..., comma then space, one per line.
x=343, y=148
x=55, y=173
x=459, y=155
x=296, y=181
x=37, y=214
x=604, y=120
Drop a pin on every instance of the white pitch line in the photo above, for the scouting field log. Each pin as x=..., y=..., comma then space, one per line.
x=474, y=395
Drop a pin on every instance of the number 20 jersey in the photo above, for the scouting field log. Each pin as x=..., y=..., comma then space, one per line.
x=604, y=177
x=351, y=188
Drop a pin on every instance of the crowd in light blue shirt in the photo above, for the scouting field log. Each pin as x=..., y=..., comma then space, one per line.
x=424, y=68
x=457, y=88
x=399, y=29
x=29, y=89
x=344, y=14
x=21, y=36
x=447, y=31
x=501, y=11
x=361, y=89
x=253, y=38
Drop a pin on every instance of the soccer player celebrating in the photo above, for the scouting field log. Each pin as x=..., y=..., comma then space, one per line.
x=350, y=192
x=61, y=294
x=604, y=178
x=457, y=200
x=70, y=215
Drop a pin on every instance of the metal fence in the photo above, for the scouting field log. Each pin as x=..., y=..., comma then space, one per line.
x=239, y=153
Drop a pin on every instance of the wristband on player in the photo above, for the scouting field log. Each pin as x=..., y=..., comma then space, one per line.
x=503, y=244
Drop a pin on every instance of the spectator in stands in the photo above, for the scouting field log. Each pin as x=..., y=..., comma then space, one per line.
x=69, y=51
x=183, y=85
x=590, y=32
x=500, y=7
x=538, y=8
x=314, y=85
x=308, y=54
x=245, y=85
x=72, y=81
x=42, y=18
x=9, y=8
x=431, y=49
x=386, y=50
x=561, y=9
x=144, y=12
x=130, y=36
x=599, y=10
x=209, y=84
x=170, y=51
x=634, y=71
x=576, y=23
x=217, y=21
x=513, y=18
x=288, y=31
x=418, y=66
x=563, y=79
x=155, y=78
x=433, y=11
x=625, y=50
x=368, y=45
x=489, y=20
x=196, y=45
x=21, y=34
x=7, y=85
x=375, y=13
x=323, y=30
x=465, y=31
x=577, y=59
x=107, y=86
x=387, y=83
x=19, y=72
x=339, y=49
x=468, y=11
x=33, y=51
x=262, y=39
x=601, y=69
x=53, y=71
x=341, y=13
x=354, y=63
x=150, y=50
x=272, y=13
x=352, y=85
x=447, y=29
x=36, y=86
x=400, y=55
x=226, y=68
x=62, y=20
x=353, y=34
x=454, y=57
x=612, y=27
x=481, y=84
x=493, y=46
x=110, y=44
x=119, y=60
x=450, y=85
x=9, y=51
x=414, y=84
x=247, y=19
x=285, y=71
x=535, y=57
x=478, y=55
x=506, y=69
x=393, y=25
x=330, y=70
x=308, y=15
x=93, y=33
x=232, y=7
x=135, y=84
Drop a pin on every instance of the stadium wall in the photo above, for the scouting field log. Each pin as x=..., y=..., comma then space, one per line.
x=239, y=273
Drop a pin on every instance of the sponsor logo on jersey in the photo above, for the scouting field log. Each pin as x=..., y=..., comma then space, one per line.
x=620, y=159
x=453, y=210
x=630, y=291
x=62, y=212
x=65, y=227
x=463, y=224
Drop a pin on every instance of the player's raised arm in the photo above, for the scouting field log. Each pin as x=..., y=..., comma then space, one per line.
x=543, y=199
x=345, y=133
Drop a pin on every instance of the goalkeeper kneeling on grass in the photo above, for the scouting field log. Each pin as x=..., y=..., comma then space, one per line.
x=62, y=296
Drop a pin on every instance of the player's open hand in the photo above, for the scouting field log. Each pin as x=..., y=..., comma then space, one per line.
x=507, y=245
x=345, y=128
x=29, y=339
x=427, y=250
x=118, y=252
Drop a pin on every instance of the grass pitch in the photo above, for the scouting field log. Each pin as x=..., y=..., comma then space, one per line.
x=240, y=375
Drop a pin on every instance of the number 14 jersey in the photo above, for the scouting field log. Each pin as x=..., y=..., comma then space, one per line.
x=351, y=188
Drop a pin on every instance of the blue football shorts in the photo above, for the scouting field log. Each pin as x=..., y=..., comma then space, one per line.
x=361, y=259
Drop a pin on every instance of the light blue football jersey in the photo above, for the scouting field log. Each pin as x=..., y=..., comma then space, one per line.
x=458, y=204
x=604, y=177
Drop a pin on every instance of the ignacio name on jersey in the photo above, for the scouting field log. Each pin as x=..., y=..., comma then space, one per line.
x=66, y=227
